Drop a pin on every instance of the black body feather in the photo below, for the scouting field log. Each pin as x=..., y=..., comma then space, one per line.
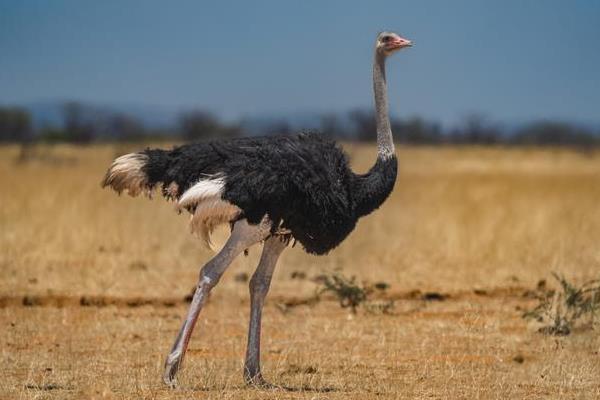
x=302, y=182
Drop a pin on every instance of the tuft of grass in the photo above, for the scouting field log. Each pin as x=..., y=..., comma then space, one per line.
x=348, y=292
x=559, y=310
x=352, y=294
x=380, y=307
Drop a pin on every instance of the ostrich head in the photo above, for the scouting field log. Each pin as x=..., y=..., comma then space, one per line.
x=390, y=42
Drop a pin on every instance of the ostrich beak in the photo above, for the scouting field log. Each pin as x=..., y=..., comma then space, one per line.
x=400, y=43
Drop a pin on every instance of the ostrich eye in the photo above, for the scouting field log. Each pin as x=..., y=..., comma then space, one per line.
x=386, y=39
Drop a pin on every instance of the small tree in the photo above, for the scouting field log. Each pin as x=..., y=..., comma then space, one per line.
x=365, y=127
x=417, y=130
x=15, y=125
x=201, y=125
x=278, y=127
x=477, y=129
x=126, y=127
x=78, y=130
x=330, y=125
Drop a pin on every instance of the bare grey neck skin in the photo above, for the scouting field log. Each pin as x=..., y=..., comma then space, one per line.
x=371, y=189
x=385, y=142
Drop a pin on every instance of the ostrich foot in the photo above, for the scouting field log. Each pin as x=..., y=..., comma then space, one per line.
x=259, y=382
x=172, y=365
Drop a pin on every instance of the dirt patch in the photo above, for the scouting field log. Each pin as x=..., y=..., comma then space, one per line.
x=61, y=301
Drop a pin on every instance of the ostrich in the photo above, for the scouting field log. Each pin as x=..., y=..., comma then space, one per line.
x=269, y=189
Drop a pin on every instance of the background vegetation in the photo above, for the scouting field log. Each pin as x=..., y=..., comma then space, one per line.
x=81, y=123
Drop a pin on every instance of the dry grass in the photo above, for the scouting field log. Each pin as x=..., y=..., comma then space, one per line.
x=460, y=219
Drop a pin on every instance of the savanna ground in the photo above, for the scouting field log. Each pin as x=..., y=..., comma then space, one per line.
x=92, y=286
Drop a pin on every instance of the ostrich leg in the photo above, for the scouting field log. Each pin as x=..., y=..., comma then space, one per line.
x=242, y=236
x=259, y=286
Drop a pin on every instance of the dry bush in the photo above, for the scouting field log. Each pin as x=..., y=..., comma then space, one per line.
x=559, y=310
x=351, y=294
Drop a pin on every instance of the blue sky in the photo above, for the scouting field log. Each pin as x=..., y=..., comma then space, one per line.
x=512, y=60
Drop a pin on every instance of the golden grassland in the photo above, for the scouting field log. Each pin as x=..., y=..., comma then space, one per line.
x=92, y=284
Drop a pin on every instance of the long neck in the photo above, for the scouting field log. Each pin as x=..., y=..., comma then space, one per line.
x=385, y=142
x=371, y=189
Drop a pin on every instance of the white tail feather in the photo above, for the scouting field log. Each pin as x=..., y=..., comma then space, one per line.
x=126, y=174
x=210, y=210
x=205, y=188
